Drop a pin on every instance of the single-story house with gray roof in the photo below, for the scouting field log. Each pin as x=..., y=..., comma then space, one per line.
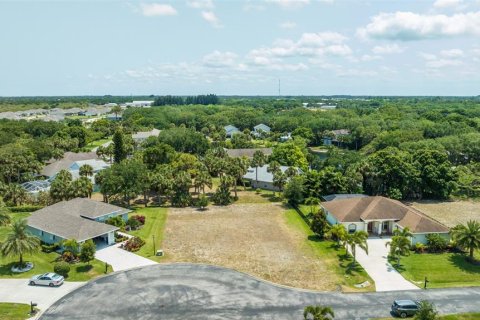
x=264, y=179
x=381, y=216
x=80, y=219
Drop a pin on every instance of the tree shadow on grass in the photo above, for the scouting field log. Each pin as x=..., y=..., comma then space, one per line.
x=270, y=197
x=461, y=261
x=84, y=268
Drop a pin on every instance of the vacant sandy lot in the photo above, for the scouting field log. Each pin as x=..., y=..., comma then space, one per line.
x=253, y=238
x=450, y=213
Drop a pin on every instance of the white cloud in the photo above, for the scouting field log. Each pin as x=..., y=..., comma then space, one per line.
x=157, y=9
x=201, y=4
x=218, y=59
x=446, y=58
x=452, y=53
x=289, y=4
x=447, y=3
x=288, y=25
x=407, y=26
x=211, y=18
x=388, y=49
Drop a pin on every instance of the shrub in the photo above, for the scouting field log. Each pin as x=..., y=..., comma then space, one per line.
x=120, y=238
x=133, y=244
x=47, y=248
x=87, y=253
x=139, y=218
x=202, y=202
x=62, y=268
x=436, y=243
x=319, y=224
x=25, y=208
x=116, y=221
x=133, y=223
x=419, y=247
x=69, y=257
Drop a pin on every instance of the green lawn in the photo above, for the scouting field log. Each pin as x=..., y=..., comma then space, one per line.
x=442, y=270
x=336, y=258
x=97, y=143
x=43, y=262
x=14, y=311
x=155, y=218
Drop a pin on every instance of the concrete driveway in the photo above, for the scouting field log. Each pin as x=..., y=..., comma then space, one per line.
x=380, y=270
x=121, y=259
x=192, y=291
x=18, y=291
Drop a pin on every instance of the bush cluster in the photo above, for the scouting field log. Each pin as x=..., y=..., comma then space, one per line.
x=62, y=268
x=133, y=244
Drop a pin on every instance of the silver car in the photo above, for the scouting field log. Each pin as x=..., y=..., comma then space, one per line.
x=47, y=279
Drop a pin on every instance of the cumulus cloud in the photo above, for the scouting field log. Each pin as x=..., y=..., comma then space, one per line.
x=405, y=26
x=446, y=58
x=447, y=3
x=157, y=9
x=388, y=49
x=201, y=4
x=289, y=4
x=288, y=25
x=211, y=18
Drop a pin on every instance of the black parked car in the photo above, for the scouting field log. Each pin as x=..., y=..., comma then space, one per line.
x=404, y=308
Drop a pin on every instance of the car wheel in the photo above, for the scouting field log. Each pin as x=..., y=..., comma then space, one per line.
x=50, y=284
x=32, y=283
x=403, y=315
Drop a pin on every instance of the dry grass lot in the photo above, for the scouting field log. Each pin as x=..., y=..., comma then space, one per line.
x=253, y=238
x=450, y=213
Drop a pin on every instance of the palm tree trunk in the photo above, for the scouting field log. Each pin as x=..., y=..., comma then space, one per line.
x=235, y=189
x=256, y=177
x=21, y=260
x=471, y=253
x=398, y=261
x=145, y=198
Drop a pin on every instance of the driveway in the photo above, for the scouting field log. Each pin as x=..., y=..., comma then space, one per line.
x=18, y=290
x=121, y=259
x=380, y=270
x=193, y=291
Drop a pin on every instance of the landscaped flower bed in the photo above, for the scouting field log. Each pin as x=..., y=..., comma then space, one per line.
x=133, y=244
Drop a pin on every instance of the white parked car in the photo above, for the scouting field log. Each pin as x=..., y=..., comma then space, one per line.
x=47, y=279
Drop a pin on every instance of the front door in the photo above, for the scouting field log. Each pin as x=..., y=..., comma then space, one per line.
x=385, y=227
x=370, y=227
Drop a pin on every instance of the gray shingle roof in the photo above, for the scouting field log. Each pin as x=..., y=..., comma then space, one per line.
x=235, y=153
x=263, y=174
x=67, y=160
x=341, y=196
x=71, y=219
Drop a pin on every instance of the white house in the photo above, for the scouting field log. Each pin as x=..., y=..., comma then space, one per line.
x=264, y=179
x=381, y=216
x=141, y=136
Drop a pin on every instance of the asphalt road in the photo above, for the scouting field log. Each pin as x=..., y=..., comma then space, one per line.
x=192, y=291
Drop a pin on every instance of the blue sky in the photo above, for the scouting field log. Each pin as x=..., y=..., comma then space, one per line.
x=316, y=47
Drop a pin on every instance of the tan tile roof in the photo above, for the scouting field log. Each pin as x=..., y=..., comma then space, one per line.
x=381, y=208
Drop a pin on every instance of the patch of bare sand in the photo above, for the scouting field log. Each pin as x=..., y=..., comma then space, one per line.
x=450, y=213
x=253, y=238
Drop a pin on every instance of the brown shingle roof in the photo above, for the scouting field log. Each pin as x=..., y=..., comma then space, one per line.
x=381, y=208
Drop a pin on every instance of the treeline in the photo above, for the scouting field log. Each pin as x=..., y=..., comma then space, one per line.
x=177, y=100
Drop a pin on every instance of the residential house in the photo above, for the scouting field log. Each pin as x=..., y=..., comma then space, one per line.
x=141, y=136
x=260, y=130
x=341, y=196
x=334, y=137
x=237, y=153
x=381, y=216
x=80, y=219
x=285, y=137
x=231, y=130
x=68, y=159
x=265, y=178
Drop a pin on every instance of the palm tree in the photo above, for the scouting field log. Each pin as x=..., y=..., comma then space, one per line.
x=4, y=216
x=86, y=170
x=291, y=172
x=19, y=242
x=338, y=233
x=358, y=238
x=399, y=246
x=403, y=233
x=318, y=313
x=116, y=110
x=312, y=202
x=258, y=160
x=15, y=193
x=467, y=236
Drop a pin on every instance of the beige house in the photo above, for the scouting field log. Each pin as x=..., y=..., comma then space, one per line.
x=381, y=216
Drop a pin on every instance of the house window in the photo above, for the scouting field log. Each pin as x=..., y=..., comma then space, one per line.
x=53, y=237
x=352, y=227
